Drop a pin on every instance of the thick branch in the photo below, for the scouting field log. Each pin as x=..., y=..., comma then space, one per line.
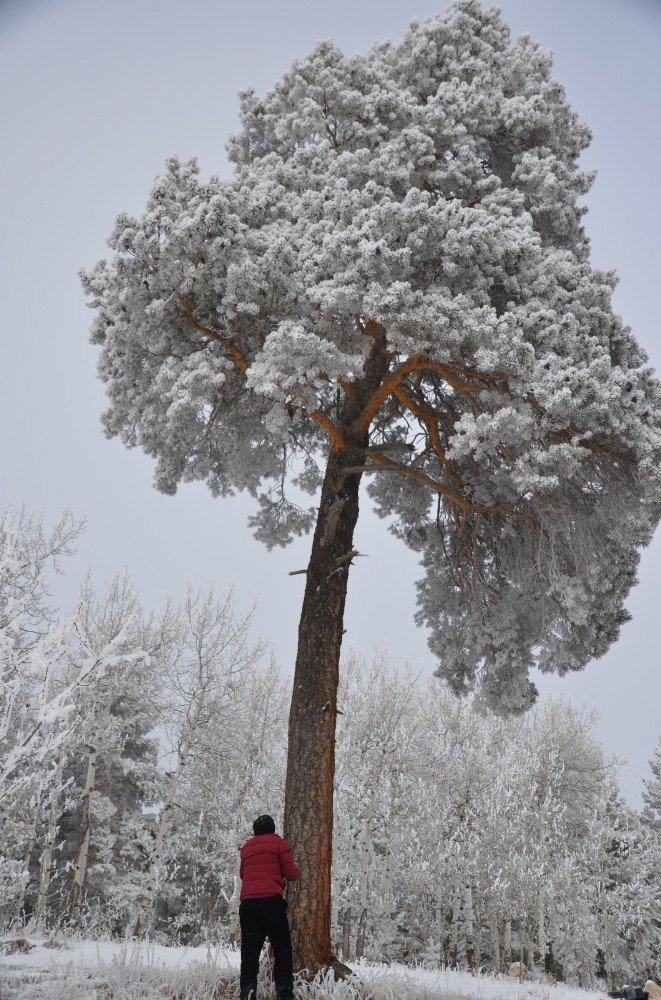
x=430, y=420
x=451, y=373
x=421, y=477
x=228, y=343
x=456, y=499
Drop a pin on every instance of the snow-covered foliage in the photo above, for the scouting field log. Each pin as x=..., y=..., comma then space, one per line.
x=205, y=668
x=465, y=838
x=412, y=211
x=652, y=793
x=461, y=838
x=36, y=703
x=61, y=679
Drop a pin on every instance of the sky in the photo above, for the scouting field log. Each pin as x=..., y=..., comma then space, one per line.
x=94, y=95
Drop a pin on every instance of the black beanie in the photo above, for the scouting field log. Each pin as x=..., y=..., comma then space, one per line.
x=263, y=824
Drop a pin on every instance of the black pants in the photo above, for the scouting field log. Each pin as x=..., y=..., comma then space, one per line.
x=260, y=919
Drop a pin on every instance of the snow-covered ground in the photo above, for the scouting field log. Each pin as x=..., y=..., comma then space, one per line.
x=111, y=970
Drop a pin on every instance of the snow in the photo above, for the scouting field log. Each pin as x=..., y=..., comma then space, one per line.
x=90, y=955
x=78, y=969
x=87, y=970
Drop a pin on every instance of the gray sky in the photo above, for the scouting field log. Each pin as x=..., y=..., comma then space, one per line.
x=94, y=95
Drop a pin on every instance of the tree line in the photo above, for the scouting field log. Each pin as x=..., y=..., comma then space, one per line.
x=136, y=748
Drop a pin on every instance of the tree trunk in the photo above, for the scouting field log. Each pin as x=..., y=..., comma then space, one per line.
x=311, y=751
x=364, y=880
x=82, y=848
x=507, y=943
x=439, y=927
x=149, y=894
x=541, y=935
x=335, y=891
x=493, y=937
x=478, y=927
x=388, y=903
x=27, y=855
x=49, y=846
x=552, y=964
x=346, y=917
x=234, y=912
x=454, y=928
x=346, y=933
x=469, y=928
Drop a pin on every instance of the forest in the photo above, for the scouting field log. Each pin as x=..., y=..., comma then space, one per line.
x=137, y=746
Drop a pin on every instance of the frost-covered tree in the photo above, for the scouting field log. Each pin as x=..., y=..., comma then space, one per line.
x=236, y=774
x=395, y=283
x=200, y=676
x=36, y=706
x=652, y=792
x=378, y=753
x=113, y=776
x=51, y=671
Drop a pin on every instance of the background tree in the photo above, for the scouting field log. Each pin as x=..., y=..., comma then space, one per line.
x=652, y=792
x=395, y=281
x=201, y=671
x=237, y=773
x=116, y=615
x=36, y=708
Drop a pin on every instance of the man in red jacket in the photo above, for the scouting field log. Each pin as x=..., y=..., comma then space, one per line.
x=266, y=865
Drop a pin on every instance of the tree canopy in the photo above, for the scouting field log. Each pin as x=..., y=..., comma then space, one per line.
x=414, y=212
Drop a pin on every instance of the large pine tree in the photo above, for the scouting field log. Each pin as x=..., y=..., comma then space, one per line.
x=395, y=282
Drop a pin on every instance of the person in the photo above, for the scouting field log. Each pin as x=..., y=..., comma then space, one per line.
x=266, y=865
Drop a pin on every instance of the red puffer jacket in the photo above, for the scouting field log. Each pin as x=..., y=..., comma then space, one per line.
x=266, y=862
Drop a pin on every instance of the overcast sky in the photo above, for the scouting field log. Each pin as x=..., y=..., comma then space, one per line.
x=95, y=95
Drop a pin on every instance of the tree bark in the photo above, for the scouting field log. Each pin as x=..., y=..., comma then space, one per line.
x=493, y=937
x=234, y=911
x=388, y=902
x=49, y=846
x=507, y=943
x=477, y=903
x=311, y=751
x=335, y=892
x=149, y=895
x=82, y=847
x=27, y=855
x=364, y=880
x=346, y=917
x=439, y=933
x=541, y=935
x=454, y=927
x=469, y=928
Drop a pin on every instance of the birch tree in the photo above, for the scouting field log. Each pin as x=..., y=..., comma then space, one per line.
x=38, y=717
x=202, y=672
x=114, y=618
x=395, y=285
x=35, y=709
x=237, y=774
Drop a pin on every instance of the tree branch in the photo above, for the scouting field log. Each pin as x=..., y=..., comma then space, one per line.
x=228, y=343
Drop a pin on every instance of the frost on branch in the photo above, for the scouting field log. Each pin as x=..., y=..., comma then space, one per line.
x=429, y=190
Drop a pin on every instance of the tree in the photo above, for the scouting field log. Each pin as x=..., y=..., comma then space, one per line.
x=36, y=709
x=109, y=714
x=237, y=774
x=202, y=671
x=652, y=792
x=50, y=669
x=395, y=283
